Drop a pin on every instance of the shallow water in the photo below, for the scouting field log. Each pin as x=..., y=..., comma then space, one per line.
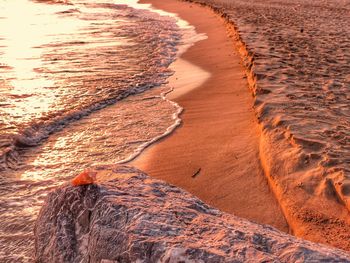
x=76, y=91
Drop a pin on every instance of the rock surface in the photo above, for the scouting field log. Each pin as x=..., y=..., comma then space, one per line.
x=129, y=217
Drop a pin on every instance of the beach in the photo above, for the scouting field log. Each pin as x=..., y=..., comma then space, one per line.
x=237, y=110
x=214, y=154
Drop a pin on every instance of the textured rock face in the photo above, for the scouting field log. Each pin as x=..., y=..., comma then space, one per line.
x=129, y=217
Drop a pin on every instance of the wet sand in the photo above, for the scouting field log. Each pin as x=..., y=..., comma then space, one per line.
x=214, y=154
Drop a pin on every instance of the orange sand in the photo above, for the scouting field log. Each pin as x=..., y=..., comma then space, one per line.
x=219, y=135
x=303, y=146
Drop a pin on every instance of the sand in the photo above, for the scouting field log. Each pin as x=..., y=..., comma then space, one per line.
x=219, y=135
x=298, y=55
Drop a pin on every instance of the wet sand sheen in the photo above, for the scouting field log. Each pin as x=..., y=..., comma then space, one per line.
x=219, y=134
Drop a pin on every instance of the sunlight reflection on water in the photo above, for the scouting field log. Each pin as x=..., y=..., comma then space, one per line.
x=24, y=33
x=23, y=30
x=62, y=62
x=81, y=84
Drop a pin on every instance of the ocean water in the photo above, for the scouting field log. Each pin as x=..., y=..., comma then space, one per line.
x=82, y=83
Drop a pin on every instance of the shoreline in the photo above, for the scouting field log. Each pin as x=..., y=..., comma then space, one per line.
x=214, y=154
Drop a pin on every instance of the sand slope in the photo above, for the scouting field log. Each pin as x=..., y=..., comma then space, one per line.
x=297, y=55
x=219, y=134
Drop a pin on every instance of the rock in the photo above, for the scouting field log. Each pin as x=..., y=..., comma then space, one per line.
x=129, y=217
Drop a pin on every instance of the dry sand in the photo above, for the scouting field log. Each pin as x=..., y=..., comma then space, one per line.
x=219, y=134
